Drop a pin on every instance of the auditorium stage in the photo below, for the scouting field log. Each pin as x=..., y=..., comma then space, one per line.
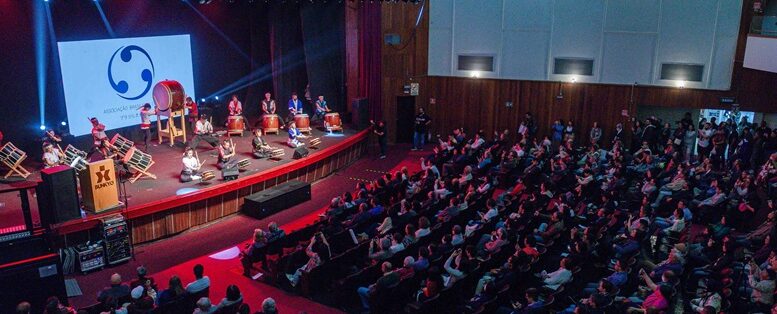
x=164, y=206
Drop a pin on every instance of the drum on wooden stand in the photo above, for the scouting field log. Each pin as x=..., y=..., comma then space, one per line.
x=169, y=97
x=121, y=144
x=235, y=125
x=270, y=123
x=302, y=121
x=140, y=162
x=75, y=158
x=332, y=122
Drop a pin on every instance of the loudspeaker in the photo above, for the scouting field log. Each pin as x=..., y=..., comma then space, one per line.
x=275, y=199
x=361, y=113
x=57, y=196
x=230, y=173
x=300, y=152
x=32, y=280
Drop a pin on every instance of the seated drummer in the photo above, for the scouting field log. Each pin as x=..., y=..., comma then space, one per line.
x=52, y=156
x=203, y=131
x=321, y=108
x=191, y=166
x=295, y=107
x=294, y=136
x=226, y=152
x=261, y=148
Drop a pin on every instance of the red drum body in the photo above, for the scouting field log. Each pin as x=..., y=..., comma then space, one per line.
x=169, y=96
x=270, y=123
x=235, y=125
x=332, y=121
x=302, y=121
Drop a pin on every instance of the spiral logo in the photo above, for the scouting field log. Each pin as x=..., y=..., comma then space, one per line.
x=122, y=87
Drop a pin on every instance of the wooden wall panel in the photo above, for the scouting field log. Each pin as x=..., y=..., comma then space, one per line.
x=230, y=203
x=199, y=212
x=215, y=208
x=480, y=103
x=142, y=229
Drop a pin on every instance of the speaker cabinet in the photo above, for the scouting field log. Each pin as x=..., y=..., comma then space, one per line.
x=57, y=196
x=275, y=199
x=32, y=280
x=300, y=152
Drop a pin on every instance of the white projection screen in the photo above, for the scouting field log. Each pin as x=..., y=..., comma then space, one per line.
x=111, y=78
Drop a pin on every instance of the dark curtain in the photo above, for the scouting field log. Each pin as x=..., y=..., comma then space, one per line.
x=370, y=61
x=287, y=53
x=323, y=27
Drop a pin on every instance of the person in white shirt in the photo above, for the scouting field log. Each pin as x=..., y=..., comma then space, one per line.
x=427, y=164
x=557, y=278
x=52, y=156
x=191, y=166
x=203, y=131
x=200, y=283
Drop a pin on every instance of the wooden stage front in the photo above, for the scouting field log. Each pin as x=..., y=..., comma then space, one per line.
x=164, y=207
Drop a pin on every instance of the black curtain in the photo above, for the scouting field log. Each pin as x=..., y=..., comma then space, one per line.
x=323, y=27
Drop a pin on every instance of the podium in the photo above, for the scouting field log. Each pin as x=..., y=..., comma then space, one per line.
x=99, y=186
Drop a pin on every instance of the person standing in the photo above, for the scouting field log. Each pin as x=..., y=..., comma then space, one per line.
x=380, y=130
x=235, y=106
x=268, y=107
x=422, y=121
x=145, y=124
x=98, y=136
x=194, y=114
x=595, y=134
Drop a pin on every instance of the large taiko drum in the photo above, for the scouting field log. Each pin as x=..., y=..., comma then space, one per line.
x=302, y=121
x=169, y=96
x=270, y=123
x=332, y=121
x=235, y=124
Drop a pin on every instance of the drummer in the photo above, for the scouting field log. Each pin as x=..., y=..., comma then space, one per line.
x=191, y=166
x=226, y=152
x=145, y=123
x=98, y=138
x=235, y=107
x=261, y=148
x=52, y=156
x=295, y=107
x=203, y=131
x=193, y=111
x=294, y=136
x=268, y=106
x=321, y=108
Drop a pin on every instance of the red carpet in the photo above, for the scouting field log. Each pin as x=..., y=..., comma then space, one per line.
x=179, y=254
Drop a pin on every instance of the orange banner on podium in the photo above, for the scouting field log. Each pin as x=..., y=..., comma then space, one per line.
x=99, y=186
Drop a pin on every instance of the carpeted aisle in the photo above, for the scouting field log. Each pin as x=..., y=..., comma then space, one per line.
x=216, y=246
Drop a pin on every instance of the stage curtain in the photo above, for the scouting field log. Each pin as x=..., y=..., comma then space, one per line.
x=370, y=61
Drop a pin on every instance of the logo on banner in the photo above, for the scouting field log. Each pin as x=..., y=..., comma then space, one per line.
x=122, y=87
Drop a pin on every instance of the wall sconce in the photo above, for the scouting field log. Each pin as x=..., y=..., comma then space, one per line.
x=509, y=104
x=680, y=84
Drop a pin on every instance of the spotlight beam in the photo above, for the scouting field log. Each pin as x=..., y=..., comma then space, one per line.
x=40, y=57
x=218, y=30
x=105, y=19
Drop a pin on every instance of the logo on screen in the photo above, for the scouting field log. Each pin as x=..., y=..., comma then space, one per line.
x=122, y=87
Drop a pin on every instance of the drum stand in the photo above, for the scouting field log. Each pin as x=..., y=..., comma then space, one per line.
x=141, y=172
x=171, y=131
x=14, y=164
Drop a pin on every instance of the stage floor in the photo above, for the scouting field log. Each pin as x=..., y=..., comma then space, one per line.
x=167, y=167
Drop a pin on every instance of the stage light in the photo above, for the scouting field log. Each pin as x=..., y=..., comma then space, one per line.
x=680, y=84
x=42, y=127
x=202, y=99
x=217, y=97
x=63, y=123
